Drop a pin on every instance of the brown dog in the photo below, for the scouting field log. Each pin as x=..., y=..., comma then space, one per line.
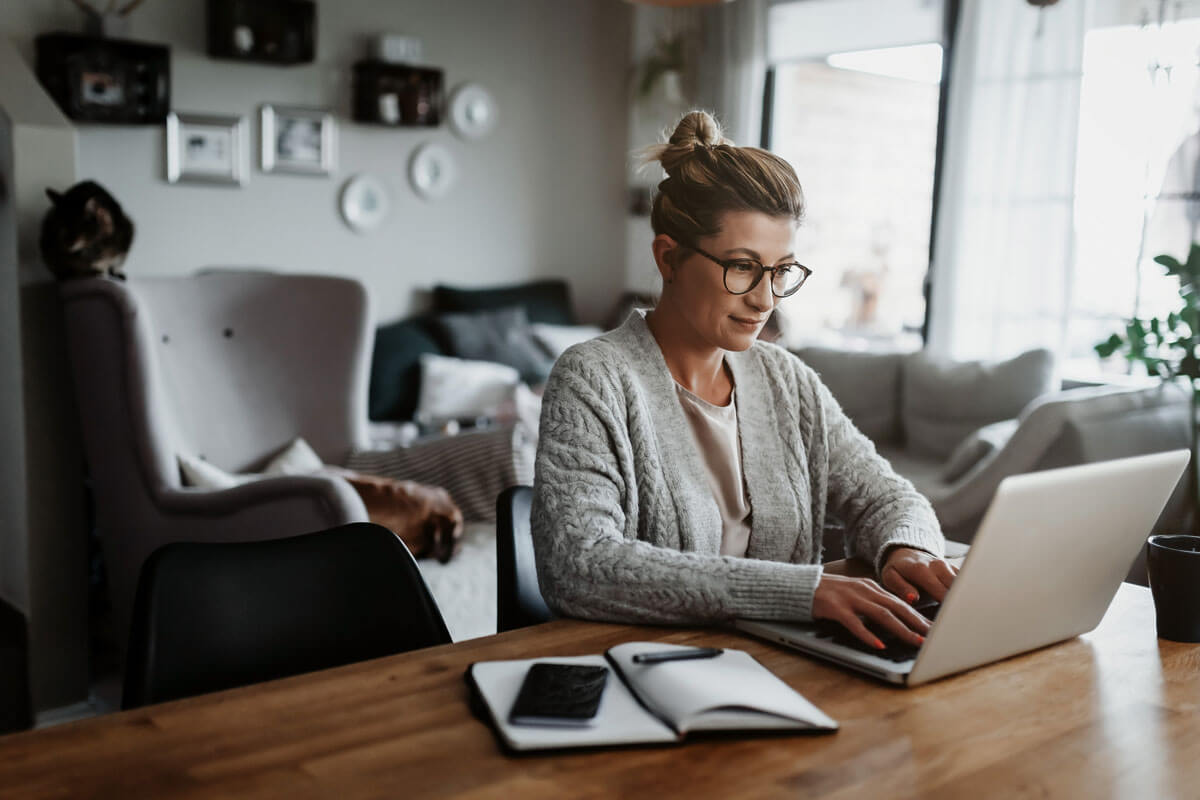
x=424, y=517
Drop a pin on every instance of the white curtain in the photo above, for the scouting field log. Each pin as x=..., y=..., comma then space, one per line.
x=1003, y=260
x=732, y=65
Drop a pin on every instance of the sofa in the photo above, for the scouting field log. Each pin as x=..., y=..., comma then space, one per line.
x=957, y=429
x=454, y=390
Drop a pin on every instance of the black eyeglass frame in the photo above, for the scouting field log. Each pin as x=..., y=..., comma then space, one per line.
x=763, y=269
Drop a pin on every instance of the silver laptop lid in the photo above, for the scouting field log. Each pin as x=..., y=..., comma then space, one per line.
x=1047, y=560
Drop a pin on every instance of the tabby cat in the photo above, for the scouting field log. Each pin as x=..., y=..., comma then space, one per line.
x=85, y=234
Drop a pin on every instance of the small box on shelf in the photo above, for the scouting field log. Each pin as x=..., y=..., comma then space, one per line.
x=269, y=31
x=398, y=94
x=93, y=79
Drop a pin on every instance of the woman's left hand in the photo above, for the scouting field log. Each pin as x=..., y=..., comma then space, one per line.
x=907, y=572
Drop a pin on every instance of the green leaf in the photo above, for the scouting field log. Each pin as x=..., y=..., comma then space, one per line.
x=1193, y=260
x=1190, y=366
x=1109, y=346
x=1171, y=263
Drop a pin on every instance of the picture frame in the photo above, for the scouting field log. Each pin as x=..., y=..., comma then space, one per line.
x=204, y=148
x=298, y=140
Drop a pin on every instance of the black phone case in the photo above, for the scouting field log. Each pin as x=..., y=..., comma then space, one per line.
x=567, y=692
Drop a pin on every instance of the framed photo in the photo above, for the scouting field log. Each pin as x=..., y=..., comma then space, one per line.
x=301, y=140
x=206, y=149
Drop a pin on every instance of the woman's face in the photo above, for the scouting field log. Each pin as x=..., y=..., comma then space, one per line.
x=695, y=284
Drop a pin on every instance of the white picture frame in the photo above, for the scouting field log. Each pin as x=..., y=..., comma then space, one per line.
x=205, y=148
x=298, y=140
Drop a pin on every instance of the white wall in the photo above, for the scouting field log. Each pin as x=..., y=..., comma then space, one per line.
x=543, y=195
x=43, y=540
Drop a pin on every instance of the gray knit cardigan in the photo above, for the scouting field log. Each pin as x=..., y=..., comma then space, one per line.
x=625, y=526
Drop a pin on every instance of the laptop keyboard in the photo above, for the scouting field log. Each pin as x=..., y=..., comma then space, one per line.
x=895, y=649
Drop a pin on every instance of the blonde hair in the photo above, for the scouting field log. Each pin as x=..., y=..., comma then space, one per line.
x=708, y=175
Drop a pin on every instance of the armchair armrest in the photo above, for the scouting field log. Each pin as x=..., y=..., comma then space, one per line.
x=1038, y=443
x=312, y=501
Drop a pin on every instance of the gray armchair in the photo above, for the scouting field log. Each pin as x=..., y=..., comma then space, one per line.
x=229, y=366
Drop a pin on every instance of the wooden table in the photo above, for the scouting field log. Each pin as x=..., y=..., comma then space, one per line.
x=1111, y=714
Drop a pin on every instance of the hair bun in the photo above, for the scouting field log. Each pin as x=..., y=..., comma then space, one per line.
x=697, y=130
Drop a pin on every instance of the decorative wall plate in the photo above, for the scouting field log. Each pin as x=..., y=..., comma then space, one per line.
x=364, y=202
x=432, y=170
x=472, y=111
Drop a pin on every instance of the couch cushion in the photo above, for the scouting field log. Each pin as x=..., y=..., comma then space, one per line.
x=544, y=301
x=943, y=402
x=974, y=449
x=502, y=336
x=556, y=339
x=867, y=385
x=396, y=367
x=456, y=388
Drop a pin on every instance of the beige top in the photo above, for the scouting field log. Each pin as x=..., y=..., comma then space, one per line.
x=716, y=431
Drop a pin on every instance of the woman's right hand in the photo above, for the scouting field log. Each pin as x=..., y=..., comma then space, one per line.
x=848, y=600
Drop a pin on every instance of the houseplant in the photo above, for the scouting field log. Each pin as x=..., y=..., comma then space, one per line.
x=1168, y=348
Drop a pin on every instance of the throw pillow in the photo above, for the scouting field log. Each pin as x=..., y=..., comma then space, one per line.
x=544, y=300
x=976, y=448
x=942, y=402
x=201, y=474
x=396, y=367
x=455, y=388
x=865, y=384
x=298, y=458
x=502, y=336
x=556, y=339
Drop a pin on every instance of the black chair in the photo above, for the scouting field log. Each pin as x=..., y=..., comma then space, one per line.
x=16, y=709
x=518, y=597
x=214, y=616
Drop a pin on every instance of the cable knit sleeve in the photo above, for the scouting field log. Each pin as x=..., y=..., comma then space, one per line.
x=880, y=508
x=592, y=485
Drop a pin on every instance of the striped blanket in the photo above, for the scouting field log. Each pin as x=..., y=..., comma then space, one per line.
x=474, y=467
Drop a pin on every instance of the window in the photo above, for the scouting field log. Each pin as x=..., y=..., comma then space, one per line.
x=1136, y=176
x=855, y=110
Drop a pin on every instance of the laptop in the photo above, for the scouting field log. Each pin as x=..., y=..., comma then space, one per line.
x=1045, y=563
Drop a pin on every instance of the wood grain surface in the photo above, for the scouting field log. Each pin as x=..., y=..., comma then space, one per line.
x=1112, y=714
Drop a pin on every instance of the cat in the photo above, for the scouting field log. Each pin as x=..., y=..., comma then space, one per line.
x=85, y=234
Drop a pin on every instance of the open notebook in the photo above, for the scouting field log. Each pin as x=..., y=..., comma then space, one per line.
x=653, y=703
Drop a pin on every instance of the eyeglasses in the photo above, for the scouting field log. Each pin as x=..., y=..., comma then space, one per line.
x=743, y=274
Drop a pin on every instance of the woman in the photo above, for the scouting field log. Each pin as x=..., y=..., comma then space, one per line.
x=684, y=468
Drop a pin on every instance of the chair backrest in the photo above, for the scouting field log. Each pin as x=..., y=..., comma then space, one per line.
x=230, y=365
x=518, y=597
x=16, y=709
x=214, y=616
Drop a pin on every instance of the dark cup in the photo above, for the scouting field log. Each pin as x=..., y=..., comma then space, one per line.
x=1173, y=564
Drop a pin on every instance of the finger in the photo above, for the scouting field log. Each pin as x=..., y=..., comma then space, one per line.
x=894, y=582
x=922, y=575
x=852, y=623
x=888, y=620
x=944, y=572
x=907, y=615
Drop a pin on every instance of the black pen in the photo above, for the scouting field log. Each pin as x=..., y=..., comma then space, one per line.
x=677, y=655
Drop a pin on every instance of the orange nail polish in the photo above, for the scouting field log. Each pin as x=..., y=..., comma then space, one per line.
x=879, y=645
x=911, y=597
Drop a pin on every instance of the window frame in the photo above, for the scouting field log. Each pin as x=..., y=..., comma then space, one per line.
x=950, y=17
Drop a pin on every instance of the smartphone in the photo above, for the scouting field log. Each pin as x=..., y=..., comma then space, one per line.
x=559, y=695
